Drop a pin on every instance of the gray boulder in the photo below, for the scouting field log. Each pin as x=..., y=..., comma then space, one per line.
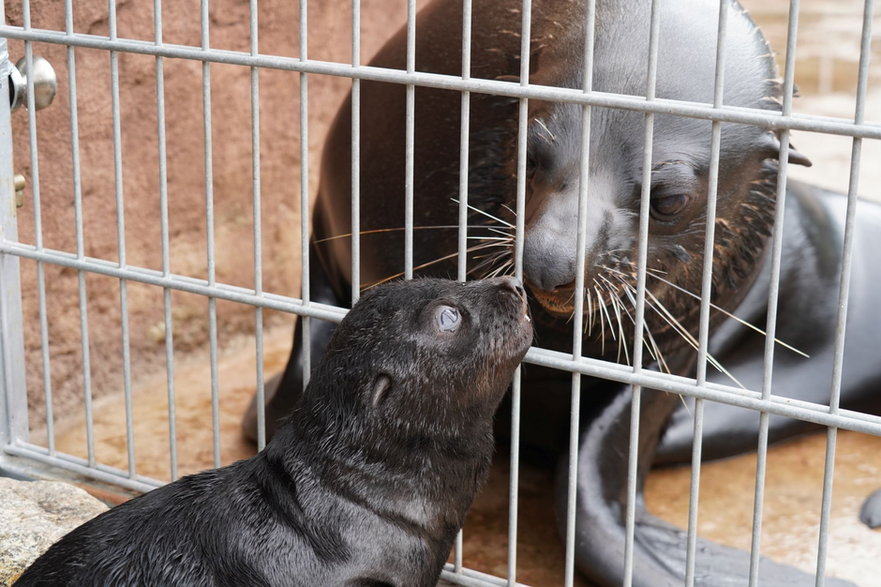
x=33, y=515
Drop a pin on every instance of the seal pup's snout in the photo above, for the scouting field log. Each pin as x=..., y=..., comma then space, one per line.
x=513, y=285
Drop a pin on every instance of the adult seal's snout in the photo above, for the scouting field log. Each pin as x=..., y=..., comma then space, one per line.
x=549, y=262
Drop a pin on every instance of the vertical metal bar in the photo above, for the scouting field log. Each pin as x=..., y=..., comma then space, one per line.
x=258, y=230
x=519, y=232
x=304, y=193
x=844, y=291
x=706, y=293
x=209, y=237
x=464, y=130
x=356, y=154
x=13, y=384
x=120, y=239
x=163, y=226
x=409, y=143
x=642, y=254
x=38, y=221
x=78, y=215
x=578, y=316
x=773, y=294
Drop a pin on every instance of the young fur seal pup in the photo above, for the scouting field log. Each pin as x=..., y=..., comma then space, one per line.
x=368, y=481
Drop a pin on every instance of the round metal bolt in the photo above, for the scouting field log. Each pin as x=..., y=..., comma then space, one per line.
x=44, y=80
x=19, y=182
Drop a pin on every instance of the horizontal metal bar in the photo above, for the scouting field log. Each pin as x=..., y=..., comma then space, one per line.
x=828, y=125
x=810, y=412
x=776, y=405
x=177, y=282
x=475, y=578
x=81, y=467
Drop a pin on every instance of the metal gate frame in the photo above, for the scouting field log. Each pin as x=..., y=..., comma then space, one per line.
x=19, y=455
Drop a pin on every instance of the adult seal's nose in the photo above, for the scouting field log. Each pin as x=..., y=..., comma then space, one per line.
x=547, y=264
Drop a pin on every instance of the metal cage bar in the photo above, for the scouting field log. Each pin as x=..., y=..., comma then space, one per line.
x=356, y=154
x=13, y=410
x=13, y=404
x=773, y=295
x=168, y=323
x=706, y=293
x=844, y=292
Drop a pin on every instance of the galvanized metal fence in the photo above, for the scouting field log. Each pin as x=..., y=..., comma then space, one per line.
x=20, y=454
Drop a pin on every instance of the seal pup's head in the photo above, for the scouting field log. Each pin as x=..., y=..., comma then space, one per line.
x=679, y=175
x=428, y=358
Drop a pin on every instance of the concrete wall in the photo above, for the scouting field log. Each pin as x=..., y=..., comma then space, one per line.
x=329, y=34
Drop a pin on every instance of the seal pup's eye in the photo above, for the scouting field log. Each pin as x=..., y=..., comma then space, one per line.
x=665, y=207
x=447, y=318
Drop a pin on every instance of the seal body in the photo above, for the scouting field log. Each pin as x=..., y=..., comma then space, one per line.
x=366, y=484
x=680, y=167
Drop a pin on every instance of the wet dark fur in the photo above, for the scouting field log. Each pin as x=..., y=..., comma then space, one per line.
x=364, y=485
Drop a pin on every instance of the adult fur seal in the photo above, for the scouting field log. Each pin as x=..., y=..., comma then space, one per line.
x=681, y=159
x=368, y=481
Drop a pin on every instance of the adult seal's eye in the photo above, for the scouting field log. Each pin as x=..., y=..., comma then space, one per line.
x=665, y=207
x=447, y=318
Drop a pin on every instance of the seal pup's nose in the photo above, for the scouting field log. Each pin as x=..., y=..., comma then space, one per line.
x=512, y=284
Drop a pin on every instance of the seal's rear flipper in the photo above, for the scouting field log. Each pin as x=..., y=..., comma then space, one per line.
x=870, y=513
x=659, y=549
x=659, y=552
x=715, y=565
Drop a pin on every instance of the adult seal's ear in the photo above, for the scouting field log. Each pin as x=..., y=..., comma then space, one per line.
x=795, y=156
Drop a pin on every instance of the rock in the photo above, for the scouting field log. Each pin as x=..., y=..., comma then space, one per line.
x=33, y=515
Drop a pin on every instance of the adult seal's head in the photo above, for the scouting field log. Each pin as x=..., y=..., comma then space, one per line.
x=366, y=484
x=680, y=166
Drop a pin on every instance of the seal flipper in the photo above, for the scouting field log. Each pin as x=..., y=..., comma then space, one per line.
x=283, y=391
x=659, y=556
x=870, y=513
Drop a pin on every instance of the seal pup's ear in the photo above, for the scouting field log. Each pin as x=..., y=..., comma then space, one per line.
x=381, y=385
